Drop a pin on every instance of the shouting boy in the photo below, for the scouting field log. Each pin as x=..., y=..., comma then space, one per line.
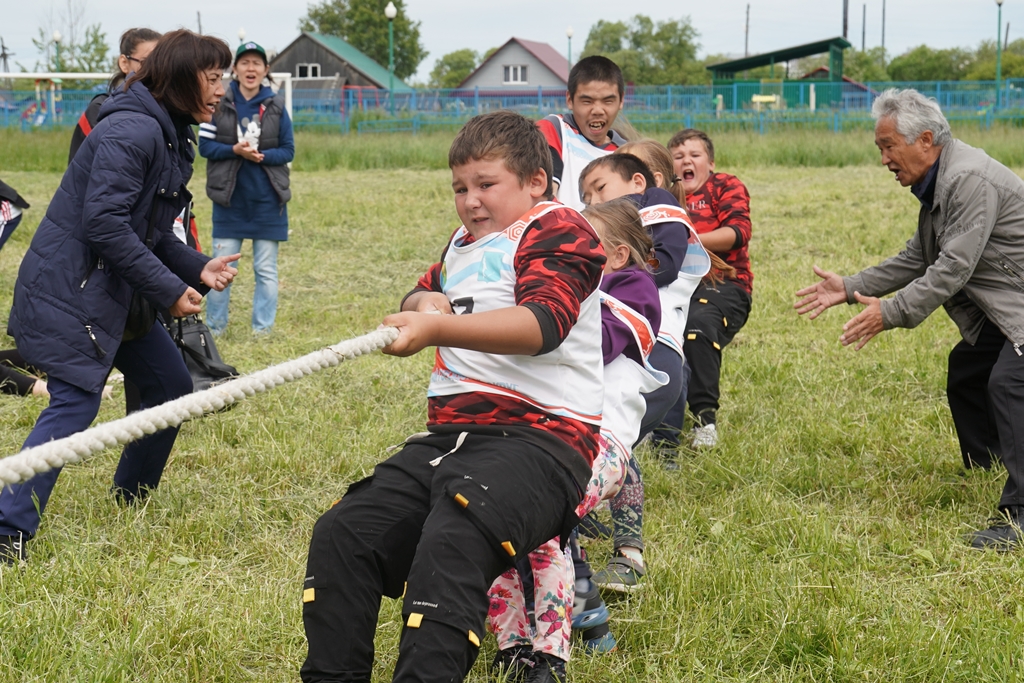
x=514, y=411
x=594, y=98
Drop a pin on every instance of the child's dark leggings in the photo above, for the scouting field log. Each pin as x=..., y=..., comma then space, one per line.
x=628, y=509
x=12, y=381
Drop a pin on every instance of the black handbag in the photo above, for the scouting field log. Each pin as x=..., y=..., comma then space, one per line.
x=141, y=313
x=198, y=351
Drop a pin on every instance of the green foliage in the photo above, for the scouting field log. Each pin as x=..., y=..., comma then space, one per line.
x=649, y=53
x=363, y=25
x=984, y=66
x=867, y=66
x=327, y=18
x=453, y=68
x=85, y=56
x=924, y=63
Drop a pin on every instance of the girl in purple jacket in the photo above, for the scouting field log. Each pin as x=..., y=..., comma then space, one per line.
x=564, y=596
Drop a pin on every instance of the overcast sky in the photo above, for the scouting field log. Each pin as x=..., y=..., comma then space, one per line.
x=448, y=25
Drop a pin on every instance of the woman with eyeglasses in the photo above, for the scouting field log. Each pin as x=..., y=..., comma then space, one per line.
x=106, y=245
x=136, y=44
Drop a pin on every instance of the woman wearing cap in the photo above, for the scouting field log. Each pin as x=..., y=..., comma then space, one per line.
x=249, y=144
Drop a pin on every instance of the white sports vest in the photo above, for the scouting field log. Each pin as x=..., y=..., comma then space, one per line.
x=577, y=152
x=480, y=276
x=675, y=297
x=625, y=381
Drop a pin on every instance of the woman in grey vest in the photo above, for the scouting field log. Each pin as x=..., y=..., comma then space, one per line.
x=248, y=146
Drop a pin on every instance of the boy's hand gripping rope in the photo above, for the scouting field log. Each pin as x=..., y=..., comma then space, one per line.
x=17, y=468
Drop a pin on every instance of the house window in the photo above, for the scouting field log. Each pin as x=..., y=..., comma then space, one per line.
x=515, y=74
x=307, y=71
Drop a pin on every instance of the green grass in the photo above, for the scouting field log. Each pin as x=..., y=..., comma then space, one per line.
x=823, y=541
x=47, y=150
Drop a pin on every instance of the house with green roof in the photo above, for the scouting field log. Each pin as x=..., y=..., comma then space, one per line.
x=317, y=61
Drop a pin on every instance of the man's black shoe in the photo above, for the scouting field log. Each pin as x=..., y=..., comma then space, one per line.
x=546, y=669
x=12, y=549
x=1005, y=534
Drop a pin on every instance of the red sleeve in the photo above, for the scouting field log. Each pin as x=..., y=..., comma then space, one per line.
x=734, y=208
x=551, y=133
x=558, y=265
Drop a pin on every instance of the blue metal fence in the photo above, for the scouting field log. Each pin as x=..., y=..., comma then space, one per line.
x=748, y=105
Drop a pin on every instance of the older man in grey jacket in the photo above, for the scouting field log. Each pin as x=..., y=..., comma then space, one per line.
x=968, y=256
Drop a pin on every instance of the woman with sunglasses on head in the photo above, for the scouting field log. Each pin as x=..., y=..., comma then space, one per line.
x=106, y=247
x=136, y=44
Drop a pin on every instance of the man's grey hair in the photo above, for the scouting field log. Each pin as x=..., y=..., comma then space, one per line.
x=913, y=114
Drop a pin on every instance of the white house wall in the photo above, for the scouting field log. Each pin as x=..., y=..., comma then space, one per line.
x=492, y=74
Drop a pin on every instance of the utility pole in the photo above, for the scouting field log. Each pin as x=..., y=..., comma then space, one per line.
x=883, y=27
x=199, y=20
x=864, y=29
x=746, y=35
x=846, y=19
x=4, y=54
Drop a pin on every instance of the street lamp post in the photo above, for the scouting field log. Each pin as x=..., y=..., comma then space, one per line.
x=56, y=44
x=568, y=34
x=241, y=36
x=391, y=12
x=999, y=54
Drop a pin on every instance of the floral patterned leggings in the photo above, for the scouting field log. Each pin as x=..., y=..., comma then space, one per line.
x=553, y=575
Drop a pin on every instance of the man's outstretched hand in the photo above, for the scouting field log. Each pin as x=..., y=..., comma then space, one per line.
x=822, y=295
x=863, y=327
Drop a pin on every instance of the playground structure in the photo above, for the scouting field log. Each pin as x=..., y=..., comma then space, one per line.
x=51, y=105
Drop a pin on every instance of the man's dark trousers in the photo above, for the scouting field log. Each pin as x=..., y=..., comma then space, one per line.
x=985, y=387
x=440, y=534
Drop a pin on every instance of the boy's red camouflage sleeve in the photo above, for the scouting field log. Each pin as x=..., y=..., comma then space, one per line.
x=553, y=135
x=734, y=209
x=558, y=265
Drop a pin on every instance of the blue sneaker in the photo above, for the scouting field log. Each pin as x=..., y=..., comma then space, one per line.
x=590, y=618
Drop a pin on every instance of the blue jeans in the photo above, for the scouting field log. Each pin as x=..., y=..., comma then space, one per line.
x=264, y=300
x=154, y=365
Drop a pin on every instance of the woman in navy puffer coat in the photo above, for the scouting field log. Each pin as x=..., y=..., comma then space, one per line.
x=89, y=255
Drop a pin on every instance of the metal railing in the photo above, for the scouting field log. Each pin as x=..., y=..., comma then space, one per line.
x=755, y=106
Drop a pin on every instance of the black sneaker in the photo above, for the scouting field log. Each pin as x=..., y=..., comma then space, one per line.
x=12, y=549
x=546, y=669
x=512, y=665
x=1004, y=535
x=591, y=527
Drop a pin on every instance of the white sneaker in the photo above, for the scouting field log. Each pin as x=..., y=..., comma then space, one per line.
x=705, y=436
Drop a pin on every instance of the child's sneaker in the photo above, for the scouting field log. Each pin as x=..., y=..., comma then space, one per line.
x=512, y=665
x=590, y=618
x=12, y=549
x=546, y=669
x=622, y=575
x=591, y=527
x=704, y=436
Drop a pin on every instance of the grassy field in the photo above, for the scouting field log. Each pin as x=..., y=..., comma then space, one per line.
x=47, y=150
x=822, y=541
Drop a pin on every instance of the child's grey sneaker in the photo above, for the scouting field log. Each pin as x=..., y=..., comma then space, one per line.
x=704, y=436
x=512, y=665
x=622, y=575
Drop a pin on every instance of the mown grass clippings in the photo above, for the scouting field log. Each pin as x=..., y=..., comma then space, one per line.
x=821, y=541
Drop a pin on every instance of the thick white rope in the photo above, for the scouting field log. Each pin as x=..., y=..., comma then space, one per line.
x=17, y=468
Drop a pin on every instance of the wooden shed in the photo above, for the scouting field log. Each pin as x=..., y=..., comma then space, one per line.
x=317, y=61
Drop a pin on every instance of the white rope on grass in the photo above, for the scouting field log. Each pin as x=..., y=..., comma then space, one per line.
x=22, y=466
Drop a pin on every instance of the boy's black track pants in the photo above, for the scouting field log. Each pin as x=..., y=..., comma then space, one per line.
x=440, y=534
